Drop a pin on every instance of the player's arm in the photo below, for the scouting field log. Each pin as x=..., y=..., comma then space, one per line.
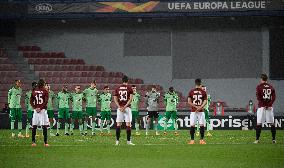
x=202, y=105
x=115, y=98
x=177, y=98
x=27, y=100
x=57, y=100
x=32, y=99
x=99, y=98
x=9, y=96
x=165, y=99
x=258, y=96
x=189, y=101
x=146, y=99
x=45, y=100
x=129, y=101
x=273, y=94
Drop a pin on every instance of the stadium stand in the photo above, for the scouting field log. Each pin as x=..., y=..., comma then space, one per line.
x=57, y=69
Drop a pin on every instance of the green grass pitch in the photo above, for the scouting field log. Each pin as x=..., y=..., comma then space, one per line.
x=223, y=149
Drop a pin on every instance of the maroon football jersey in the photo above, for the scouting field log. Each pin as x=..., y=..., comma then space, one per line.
x=39, y=98
x=265, y=95
x=123, y=93
x=198, y=96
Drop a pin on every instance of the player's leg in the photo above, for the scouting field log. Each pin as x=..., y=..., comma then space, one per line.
x=50, y=114
x=197, y=128
x=60, y=119
x=167, y=117
x=192, y=127
x=136, y=120
x=137, y=124
x=94, y=115
x=29, y=119
x=73, y=117
x=207, y=120
x=148, y=121
x=119, y=120
x=86, y=119
x=44, y=123
x=19, y=115
x=201, y=120
x=270, y=120
x=12, y=117
x=108, y=118
x=260, y=120
x=174, y=118
x=156, y=116
x=67, y=121
x=103, y=117
x=128, y=120
x=35, y=121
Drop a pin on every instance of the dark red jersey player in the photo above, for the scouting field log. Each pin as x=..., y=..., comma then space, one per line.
x=38, y=101
x=122, y=98
x=266, y=96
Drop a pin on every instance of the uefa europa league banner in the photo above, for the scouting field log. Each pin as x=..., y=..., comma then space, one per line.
x=157, y=6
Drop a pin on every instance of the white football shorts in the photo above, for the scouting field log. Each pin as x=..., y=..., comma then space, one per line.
x=197, y=116
x=265, y=115
x=124, y=116
x=40, y=118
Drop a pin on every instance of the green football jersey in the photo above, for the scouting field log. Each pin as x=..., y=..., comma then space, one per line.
x=208, y=103
x=105, y=101
x=171, y=100
x=63, y=99
x=77, y=99
x=14, y=97
x=135, y=102
x=51, y=98
x=27, y=101
x=91, y=97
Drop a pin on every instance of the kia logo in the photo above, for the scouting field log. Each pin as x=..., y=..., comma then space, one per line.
x=43, y=7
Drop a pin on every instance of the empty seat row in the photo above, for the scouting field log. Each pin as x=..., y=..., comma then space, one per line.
x=10, y=74
x=7, y=67
x=68, y=68
x=29, y=48
x=2, y=52
x=57, y=61
x=10, y=80
x=79, y=74
x=84, y=80
x=4, y=60
x=43, y=54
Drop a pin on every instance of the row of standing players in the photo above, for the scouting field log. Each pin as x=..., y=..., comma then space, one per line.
x=198, y=100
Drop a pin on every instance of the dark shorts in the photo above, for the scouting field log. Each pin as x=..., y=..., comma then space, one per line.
x=153, y=114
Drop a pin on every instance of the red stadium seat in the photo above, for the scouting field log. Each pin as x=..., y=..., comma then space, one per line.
x=98, y=74
x=100, y=68
x=60, y=55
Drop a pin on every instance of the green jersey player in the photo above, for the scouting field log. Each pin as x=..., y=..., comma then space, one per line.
x=105, y=101
x=134, y=108
x=50, y=110
x=77, y=109
x=171, y=101
x=30, y=109
x=206, y=111
x=14, y=102
x=63, y=98
x=91, y=95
